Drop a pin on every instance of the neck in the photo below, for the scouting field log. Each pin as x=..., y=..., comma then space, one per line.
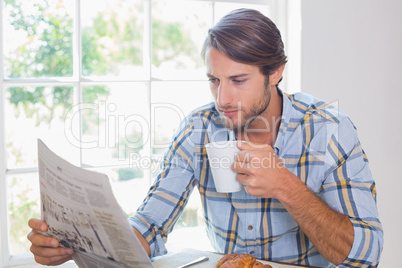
x=265, y=129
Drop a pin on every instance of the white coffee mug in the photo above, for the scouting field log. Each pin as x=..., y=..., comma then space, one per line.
x=221, y=156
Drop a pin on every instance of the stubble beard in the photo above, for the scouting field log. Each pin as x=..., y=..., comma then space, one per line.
x=247, y=117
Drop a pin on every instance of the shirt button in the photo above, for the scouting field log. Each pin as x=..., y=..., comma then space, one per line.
x=252, y=252
x=250, y=227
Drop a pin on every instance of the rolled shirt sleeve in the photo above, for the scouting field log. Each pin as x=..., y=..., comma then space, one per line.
x=168, y=195
x=350, y=189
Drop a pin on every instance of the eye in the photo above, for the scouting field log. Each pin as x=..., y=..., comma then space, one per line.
x=239, y=81
x=213, y=80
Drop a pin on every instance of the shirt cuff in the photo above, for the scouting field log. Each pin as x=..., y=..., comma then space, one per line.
x=367, y=246
x=154, y=239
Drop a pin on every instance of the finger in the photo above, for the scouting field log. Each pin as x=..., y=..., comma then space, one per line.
x=50, y=252
x=37, y=224
x=42, y=240
x=243, y=156
x=242, y=178
x=251, y=190
x=52, y=260
x=241, y=167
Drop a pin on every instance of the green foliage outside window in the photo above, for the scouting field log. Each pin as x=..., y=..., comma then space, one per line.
x=49, y=47
x=21, y=208
x=49, y=40
x=48, y=52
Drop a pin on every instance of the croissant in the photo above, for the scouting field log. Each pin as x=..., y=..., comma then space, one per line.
x=240, y=261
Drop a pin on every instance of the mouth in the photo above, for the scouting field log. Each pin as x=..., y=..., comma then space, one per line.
x=229, y=113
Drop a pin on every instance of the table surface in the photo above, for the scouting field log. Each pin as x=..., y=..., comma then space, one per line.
x=183, y=256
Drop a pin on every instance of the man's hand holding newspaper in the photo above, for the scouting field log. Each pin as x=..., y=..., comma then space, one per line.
x=82, y=213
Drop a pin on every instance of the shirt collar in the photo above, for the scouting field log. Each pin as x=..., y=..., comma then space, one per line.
x=287, y=110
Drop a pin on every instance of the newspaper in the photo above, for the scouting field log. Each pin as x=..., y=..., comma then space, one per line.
x=82, y=213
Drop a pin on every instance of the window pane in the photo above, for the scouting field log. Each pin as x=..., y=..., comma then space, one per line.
x=191, y=224
x=38, y=38
x=177, y=38
x=115, y=122
x=113, y=39
x=37, y=112
x=171, y=102
x=129, y=187
x=23, y=203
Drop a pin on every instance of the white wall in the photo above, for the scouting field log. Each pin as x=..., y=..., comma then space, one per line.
x=352, y=53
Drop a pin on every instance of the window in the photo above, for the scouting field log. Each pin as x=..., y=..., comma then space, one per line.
x=104, y=84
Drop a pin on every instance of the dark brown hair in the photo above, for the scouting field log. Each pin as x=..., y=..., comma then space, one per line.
x=249, y=37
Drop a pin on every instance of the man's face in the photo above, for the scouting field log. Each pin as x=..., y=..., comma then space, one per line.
x=241, y=91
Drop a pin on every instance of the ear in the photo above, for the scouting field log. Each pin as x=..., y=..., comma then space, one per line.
x=276, y=75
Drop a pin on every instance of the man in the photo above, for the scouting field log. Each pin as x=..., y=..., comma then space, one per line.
x=308, y=195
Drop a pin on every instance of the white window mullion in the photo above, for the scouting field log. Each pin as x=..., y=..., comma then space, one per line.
x=77, y=73
x=77, y=63
x=1, y=46
x=147, y=40
x=213, y=13
x=278, y=16
x=147, y=50
x=4, y=248
x=293, y=46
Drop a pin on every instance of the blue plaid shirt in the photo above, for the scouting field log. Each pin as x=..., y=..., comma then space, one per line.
x=318, y=143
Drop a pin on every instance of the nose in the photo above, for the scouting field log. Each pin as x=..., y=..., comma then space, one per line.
x=225, y=95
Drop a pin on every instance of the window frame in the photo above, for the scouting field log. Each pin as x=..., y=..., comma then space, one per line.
x=286, y=15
